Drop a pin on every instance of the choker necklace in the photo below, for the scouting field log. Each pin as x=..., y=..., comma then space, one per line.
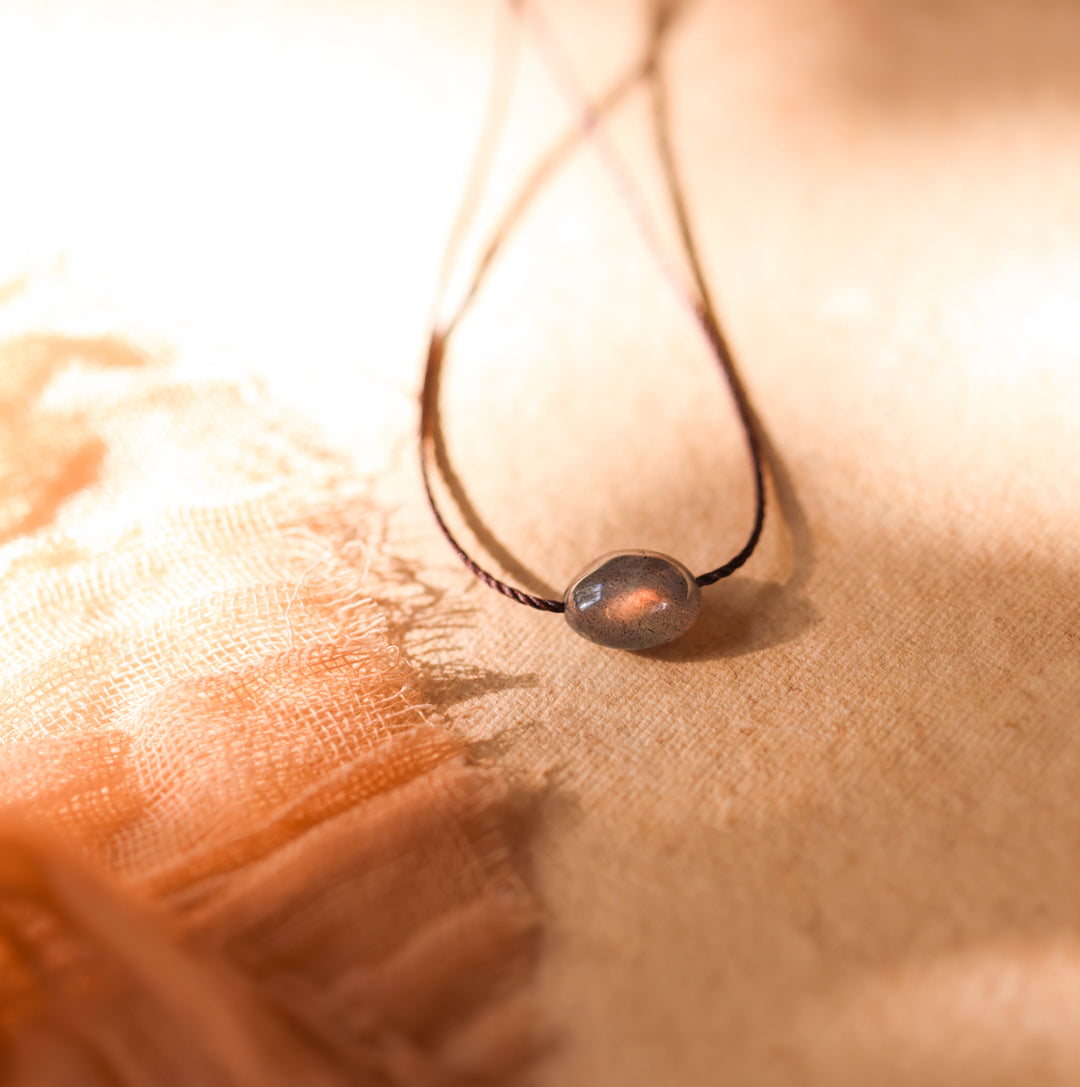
x=625, y=599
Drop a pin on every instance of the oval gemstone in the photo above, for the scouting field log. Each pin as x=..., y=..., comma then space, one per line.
x=633, y=600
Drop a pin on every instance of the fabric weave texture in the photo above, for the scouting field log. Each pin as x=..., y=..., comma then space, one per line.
x=237, y=847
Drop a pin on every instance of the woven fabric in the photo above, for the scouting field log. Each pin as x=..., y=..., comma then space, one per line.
x=235, y=848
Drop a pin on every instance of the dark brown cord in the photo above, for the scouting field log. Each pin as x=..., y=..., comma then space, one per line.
x=427, y=439
x=697, y=297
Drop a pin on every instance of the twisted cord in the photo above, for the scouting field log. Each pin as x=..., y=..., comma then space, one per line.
x=707, y=320
x=695, y=296
x=428, y=413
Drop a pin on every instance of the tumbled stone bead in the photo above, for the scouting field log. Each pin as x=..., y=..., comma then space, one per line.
x=633, y=600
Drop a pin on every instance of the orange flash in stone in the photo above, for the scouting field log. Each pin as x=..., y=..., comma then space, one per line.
x=633, y=600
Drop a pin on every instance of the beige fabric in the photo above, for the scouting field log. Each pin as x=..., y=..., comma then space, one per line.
x=831, y=837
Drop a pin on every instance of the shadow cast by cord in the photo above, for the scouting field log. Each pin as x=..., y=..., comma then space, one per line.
x=738, y=616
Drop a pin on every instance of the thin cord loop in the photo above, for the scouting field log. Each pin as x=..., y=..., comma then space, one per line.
x=696, y=297
x=429, y=398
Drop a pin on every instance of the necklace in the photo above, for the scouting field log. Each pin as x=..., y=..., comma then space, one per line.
x=626, y=599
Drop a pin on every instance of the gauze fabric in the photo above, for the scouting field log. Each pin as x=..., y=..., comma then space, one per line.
x=236, y=847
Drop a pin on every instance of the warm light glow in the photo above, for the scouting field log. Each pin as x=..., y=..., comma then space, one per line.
x=248, y=182
x=982, y=1014
x=633, y=607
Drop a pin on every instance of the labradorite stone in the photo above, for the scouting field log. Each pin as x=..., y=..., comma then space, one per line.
x=633, y=600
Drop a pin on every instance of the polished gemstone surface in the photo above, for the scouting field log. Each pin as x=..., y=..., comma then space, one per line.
x=633, y=600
